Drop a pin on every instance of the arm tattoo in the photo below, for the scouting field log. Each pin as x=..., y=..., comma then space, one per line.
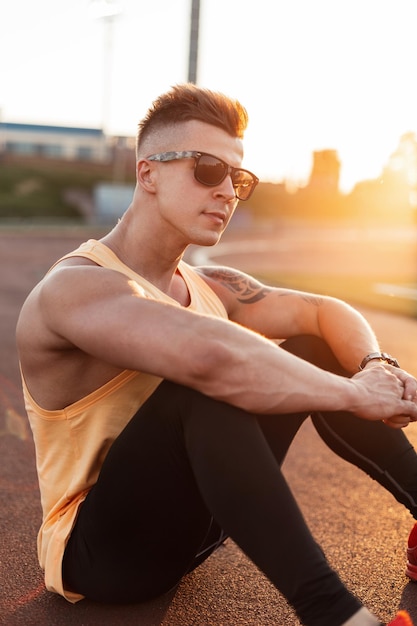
x=312, y=299
x=245, y=288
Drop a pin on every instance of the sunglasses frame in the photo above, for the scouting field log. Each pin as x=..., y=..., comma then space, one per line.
x=229, y=170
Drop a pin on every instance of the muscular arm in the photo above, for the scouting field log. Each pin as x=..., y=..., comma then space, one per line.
x=100, y=313
x=283, y=313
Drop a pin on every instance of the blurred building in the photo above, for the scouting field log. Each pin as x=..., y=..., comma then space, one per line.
x=57, y=142
x=325, y=172
x=321, y=197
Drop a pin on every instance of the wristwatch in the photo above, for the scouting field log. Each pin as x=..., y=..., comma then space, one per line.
x=379, y=356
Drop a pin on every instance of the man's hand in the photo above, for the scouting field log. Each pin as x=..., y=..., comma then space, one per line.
x=394, y=393
x=408, y=381
x=409, y=393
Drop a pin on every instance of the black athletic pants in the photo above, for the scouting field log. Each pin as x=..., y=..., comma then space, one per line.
x=187, y=466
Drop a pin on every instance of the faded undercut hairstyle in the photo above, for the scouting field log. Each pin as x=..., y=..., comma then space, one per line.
x=186, y=102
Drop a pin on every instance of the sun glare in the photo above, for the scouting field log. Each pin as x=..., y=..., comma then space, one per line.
x=319, y=75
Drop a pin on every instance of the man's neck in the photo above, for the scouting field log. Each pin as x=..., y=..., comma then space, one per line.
x=150, y=257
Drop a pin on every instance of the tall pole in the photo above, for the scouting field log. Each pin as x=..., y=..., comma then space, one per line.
x=108, y=22
x=107, y=11
x=194, y=31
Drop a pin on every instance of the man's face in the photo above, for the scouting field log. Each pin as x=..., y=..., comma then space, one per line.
x=195, y=212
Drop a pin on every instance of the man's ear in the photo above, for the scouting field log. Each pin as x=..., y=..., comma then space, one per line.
x=145, y=175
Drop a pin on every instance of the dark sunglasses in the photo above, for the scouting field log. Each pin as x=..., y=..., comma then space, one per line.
x=211, y=171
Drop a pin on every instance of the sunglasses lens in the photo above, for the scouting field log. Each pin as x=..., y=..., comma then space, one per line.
x=210, y=171
x=243, y=182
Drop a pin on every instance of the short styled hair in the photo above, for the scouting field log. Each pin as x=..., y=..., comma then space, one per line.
x=186, y=102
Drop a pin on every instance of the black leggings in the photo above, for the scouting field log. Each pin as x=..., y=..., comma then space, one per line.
x=187, y=466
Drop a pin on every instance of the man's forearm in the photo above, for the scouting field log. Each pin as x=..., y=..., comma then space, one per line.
x=347, y=332
x=253, y=373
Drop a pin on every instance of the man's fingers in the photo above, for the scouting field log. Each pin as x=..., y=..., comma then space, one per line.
x=409, y=382
x=397, y=421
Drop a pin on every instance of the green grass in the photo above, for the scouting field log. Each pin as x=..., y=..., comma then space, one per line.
x=356, y=290
x=35, y=188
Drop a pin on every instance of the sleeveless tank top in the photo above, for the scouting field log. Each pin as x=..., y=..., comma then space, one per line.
x=71, y=443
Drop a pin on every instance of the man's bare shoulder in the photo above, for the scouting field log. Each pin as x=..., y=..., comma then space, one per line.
x=76, y=278
x=74, y=289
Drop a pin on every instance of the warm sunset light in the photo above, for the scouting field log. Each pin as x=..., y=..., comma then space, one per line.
x=313, y=74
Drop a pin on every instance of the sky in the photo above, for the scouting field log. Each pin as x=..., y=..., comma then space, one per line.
x=313, y=74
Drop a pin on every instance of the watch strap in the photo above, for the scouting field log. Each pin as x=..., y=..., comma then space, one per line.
x=379, y=356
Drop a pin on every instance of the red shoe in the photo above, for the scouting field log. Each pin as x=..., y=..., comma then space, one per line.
x=402, y=619
x=411, y=569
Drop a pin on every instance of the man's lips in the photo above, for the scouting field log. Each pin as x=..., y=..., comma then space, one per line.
x=216, y=216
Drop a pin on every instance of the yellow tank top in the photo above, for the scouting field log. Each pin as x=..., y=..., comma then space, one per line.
x=72, y=443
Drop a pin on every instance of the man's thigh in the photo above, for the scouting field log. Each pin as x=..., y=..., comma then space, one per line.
x=144, y=521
